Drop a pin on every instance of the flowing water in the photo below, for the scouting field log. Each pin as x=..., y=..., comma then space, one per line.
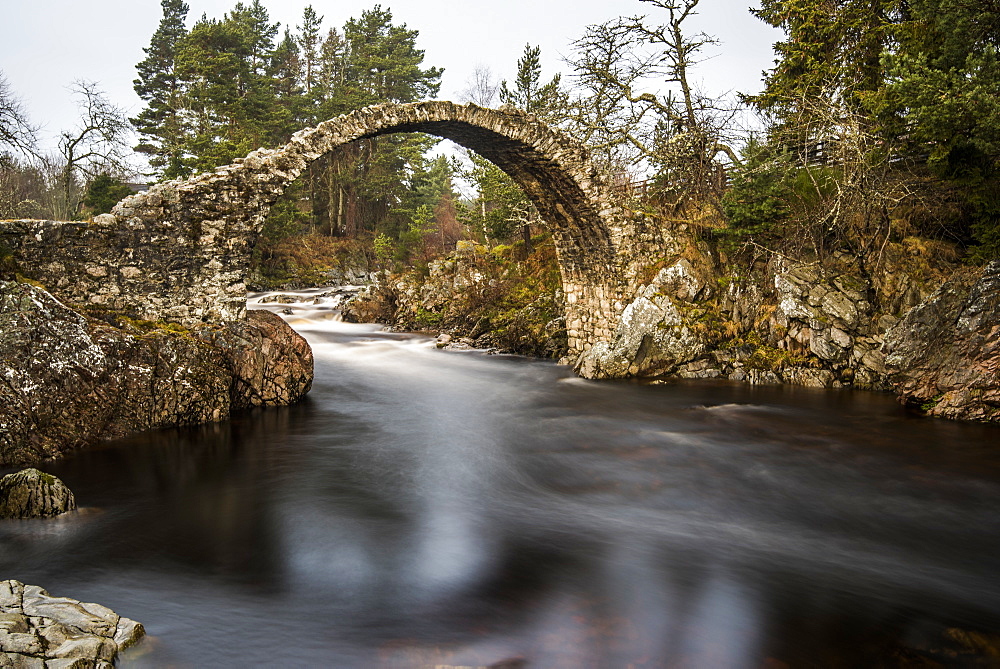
x=428, y=508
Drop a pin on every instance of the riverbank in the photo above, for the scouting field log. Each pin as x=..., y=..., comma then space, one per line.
x=921, y=326
x=434, y=507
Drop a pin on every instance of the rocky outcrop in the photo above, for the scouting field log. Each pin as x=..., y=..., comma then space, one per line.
x=30, y=493
x=813, y=324
x=476, y=298
x=67, y=380
x=270, y=363
x=38, y=631
x=653, y=336
x=944, y=355
x=826, y=315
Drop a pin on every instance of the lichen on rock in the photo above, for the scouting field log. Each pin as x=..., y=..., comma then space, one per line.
x=944, y=355
x=30, y=493
x=67, y=380
x=39, y=630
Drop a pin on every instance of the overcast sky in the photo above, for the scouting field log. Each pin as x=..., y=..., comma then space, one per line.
x=45, y=45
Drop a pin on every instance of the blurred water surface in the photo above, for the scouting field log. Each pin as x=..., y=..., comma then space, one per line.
x=426, y=507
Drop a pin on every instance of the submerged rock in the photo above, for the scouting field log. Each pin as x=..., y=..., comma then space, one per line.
x=279, y=298
x=38, y=630
x=30, y=493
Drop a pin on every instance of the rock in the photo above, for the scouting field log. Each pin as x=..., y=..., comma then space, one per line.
x=841, y=308
x=943, y=357
x=271, y=364
x=66, y=381
x=651, y=337
x=279, y=298
x=38, y=630
x=30, y=493
x=373, y=304
x=807, y=376
x=681, y=281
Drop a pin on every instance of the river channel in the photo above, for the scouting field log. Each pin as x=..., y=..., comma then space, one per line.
x=426, y=508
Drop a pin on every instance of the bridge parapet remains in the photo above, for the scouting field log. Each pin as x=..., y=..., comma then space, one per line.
x=181, y=250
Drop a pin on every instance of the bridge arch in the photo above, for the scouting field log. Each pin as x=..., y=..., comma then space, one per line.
x=217, y=217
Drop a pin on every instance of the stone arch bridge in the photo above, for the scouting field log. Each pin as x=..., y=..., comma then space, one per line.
x=181, y=250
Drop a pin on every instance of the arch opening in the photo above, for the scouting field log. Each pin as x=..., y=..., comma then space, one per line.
x=225, y=210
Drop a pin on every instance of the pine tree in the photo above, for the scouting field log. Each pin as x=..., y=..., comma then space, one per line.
x=832, y=52
x=383, y=62
x=232, y=80
x=291, y=108
x=309, y=43
x=159, y=124
x=510, y=207
x=373, y=61
x=546, y=101
x=942, y=101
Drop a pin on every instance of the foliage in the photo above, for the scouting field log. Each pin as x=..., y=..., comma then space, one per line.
x=941, y=105
x=501, y=209
x=365, y=186
x=23, y=187
x=893, y=105
x=232, y=84
x=546, y=101
x=308, y=260
x=159, y=123
x=383, y=248
x=383, y=63
x=832, y=51
x=512, y=304
x=97, y=145
x=760, y=194
x=103, y=193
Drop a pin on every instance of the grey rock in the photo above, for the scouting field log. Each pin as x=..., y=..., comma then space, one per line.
x=823, y=346
x=808, y=376
x=840, y=308
x=38, y=630
x=279, y=298
x=943, y=357
x=681, y=281
x=66, y=381
x=652, y=336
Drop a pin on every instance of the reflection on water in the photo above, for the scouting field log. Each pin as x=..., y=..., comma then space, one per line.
x=426, y=508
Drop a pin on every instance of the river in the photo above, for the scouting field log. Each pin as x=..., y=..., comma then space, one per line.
x=427, y=508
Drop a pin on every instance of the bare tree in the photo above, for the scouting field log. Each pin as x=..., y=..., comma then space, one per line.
x=640, y=106
x=481, y=88
x=15, y=131
x=99, y=144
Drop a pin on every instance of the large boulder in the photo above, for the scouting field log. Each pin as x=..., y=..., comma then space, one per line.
x=654, y=336
x=944, y=355
x=30, y=493
x=39, y=630
x=67, y=380
x=271, y=364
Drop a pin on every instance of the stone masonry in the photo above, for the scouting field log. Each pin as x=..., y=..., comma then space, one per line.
x=181, y=250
